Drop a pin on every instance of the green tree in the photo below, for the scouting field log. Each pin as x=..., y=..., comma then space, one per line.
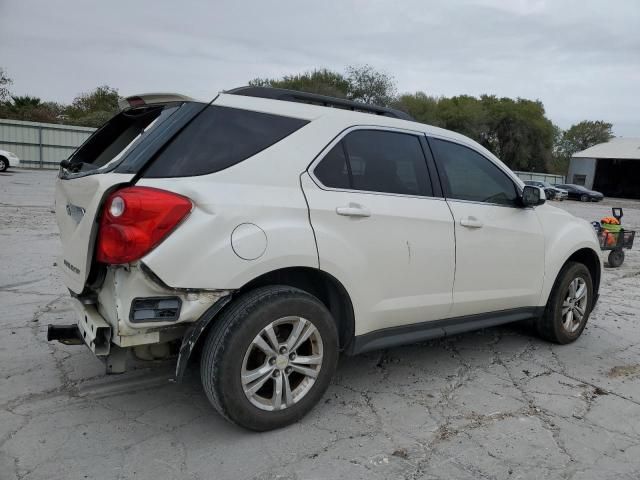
x=93, y=108
x=516, y=131
x=28, y=108
x=321, y=81
x=420, y=106
x=466, y=115
x=20, y=102
x=580, y=137
x=368, y=85
x=5, y=84
x=519, y=133
x=361, y=83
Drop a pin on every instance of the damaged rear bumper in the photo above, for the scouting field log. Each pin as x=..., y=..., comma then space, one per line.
x=116, y=317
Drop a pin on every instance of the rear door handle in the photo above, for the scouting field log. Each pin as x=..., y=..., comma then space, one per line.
x=353, y=210
x=471, y=222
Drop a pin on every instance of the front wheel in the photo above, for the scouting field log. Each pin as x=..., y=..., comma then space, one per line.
x=584, y=198
x=569, y=305
x=270, y=357
x=4, y=164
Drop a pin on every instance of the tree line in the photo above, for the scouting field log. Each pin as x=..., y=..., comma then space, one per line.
x=515, y=130
x=90, y=109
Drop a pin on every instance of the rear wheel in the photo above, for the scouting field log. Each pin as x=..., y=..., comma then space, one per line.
x=4, y=164
x=569, y=305
x=270, y=357
x=584, y=198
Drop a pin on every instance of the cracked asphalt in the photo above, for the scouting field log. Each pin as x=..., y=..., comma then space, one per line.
x=499, y=403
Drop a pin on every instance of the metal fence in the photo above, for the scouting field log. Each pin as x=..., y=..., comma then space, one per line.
x=41, y=145
x=542, y=177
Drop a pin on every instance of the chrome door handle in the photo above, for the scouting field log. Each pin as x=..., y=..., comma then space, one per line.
x=353, y=210
x=471, y=222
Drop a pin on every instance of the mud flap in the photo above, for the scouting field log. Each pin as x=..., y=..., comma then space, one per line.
x=190, y=340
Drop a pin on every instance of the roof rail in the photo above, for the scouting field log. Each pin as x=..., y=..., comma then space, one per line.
x=316, y=99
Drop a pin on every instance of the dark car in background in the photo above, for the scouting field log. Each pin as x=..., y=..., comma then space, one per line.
x=578, y=192
x=551, y=192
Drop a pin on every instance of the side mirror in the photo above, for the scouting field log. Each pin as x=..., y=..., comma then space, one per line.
x=532, y=196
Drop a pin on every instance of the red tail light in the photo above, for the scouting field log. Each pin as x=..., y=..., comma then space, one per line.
x=137, y=219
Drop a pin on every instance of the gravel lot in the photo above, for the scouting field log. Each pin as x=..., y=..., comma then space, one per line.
x=493, y=404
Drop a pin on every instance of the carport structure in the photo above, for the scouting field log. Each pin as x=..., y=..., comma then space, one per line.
x=612, y=168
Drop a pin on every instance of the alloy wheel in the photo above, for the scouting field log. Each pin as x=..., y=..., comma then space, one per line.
x=574, y=306
x=282, y=363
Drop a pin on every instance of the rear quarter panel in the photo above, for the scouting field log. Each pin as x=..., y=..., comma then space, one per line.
x=264, y=191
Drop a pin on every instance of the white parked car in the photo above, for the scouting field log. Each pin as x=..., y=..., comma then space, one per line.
x=267, y=231
x=8, y=159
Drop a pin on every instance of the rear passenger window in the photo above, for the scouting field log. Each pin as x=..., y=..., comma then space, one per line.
x=332, y=170
x=218, y=138
x=467, y=175
x=376, y=161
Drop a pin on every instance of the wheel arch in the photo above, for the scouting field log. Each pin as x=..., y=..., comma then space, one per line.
x=322, y=285
x=591, y=259
x=588, y=257
x=314, y=281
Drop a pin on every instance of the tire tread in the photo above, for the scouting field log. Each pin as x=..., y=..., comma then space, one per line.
x=546, y=324
x=219, y=337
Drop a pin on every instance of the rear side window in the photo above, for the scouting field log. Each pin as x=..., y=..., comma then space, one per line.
x=332, y=171
x=218, y=138
x=376, y=161
x=467, y=175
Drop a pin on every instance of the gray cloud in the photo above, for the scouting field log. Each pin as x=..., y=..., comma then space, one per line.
x=581, y=58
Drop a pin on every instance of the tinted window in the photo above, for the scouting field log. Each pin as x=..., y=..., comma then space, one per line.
x=377, y=161
x=332, y=170
x=467, y=175
x=218, y=138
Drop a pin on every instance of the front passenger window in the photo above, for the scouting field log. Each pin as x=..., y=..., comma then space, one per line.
x=467, y=175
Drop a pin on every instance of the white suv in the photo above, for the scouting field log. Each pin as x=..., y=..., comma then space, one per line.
x=268, y=230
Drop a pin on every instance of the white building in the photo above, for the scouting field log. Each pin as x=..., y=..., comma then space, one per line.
x=612, y=168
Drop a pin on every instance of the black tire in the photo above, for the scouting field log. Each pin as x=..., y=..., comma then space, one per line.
x=584, y=198
x=4, y=164
x=230, y=338
x=616, y=258
x=550, y=325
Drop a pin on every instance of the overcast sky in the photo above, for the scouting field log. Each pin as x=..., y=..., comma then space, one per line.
x=580, y=58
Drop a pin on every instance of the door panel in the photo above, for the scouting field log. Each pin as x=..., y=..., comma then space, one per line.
x=499, y=258
x=393, y=253
x=499, y=245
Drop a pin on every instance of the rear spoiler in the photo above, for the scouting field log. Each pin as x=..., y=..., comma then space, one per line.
x=150, y=99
